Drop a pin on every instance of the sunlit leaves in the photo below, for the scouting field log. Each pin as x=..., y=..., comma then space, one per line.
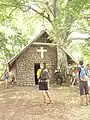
x=24, y=16
x=70, y=18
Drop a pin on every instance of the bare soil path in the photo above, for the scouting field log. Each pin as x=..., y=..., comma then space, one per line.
x=26, y=103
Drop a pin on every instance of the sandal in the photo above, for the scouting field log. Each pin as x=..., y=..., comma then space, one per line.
x=50, y=102
x=45, y=103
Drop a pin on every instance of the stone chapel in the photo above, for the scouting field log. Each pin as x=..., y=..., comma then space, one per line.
x=41, y=50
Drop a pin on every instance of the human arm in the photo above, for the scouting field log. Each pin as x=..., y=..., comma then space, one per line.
x=38, y=73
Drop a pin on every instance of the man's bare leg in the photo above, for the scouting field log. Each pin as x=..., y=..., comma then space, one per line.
x=89, y=94
x=44, y=96
x=82, y=100
x=48, y=95
x=6, y=83
x=87, y=99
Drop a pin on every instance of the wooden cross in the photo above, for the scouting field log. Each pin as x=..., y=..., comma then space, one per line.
x=42, y=51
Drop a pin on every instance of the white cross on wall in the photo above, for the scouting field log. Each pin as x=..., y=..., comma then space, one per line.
x=42, y=51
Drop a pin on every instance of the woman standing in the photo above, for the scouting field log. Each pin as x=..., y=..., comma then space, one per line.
x=6, y=76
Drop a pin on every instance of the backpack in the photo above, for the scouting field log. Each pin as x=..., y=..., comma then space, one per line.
x=82, y=73
x=44, y=74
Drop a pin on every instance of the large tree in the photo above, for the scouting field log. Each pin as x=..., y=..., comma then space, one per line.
x=62, y=19
x=64, y=16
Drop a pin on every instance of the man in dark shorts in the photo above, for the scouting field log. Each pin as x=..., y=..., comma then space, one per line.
x=83, y=83
x=43, y=84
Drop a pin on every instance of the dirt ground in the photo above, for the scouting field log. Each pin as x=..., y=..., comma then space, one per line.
x=26, y=103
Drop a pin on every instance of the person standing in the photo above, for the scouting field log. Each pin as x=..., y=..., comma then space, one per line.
x=59, y=77
x=42, y=75
x=12, y=78
x=75, y=77
x=83, y=83
x=6, y=76
x=88, y=73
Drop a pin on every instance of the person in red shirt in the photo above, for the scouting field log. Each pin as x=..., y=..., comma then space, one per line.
x=75, y=75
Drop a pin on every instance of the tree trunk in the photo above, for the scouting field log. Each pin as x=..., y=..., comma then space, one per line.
x=55, y=8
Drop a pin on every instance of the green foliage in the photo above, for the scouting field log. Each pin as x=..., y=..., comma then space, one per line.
x=68, y=13
x=22, y=17
x=15, y=30
x=86, y=48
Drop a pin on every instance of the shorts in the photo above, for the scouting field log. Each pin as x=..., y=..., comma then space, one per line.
x=83, y=88
x=43, y=86
x=6, y=78
x=76, y=77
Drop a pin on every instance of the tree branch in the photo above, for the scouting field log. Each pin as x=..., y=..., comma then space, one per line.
x=28, y=8
x=12, y=11
x=49, y=8
x=8, y=5
x=40, y=13
x=87, y=17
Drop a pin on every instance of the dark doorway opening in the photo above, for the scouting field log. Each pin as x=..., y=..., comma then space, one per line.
x=36, y=67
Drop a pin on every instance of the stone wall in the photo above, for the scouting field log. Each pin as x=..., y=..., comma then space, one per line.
x=25, y=64
x=61, y=57
x=62, y=62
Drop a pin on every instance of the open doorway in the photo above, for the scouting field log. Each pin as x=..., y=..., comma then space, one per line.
x=36, y=67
